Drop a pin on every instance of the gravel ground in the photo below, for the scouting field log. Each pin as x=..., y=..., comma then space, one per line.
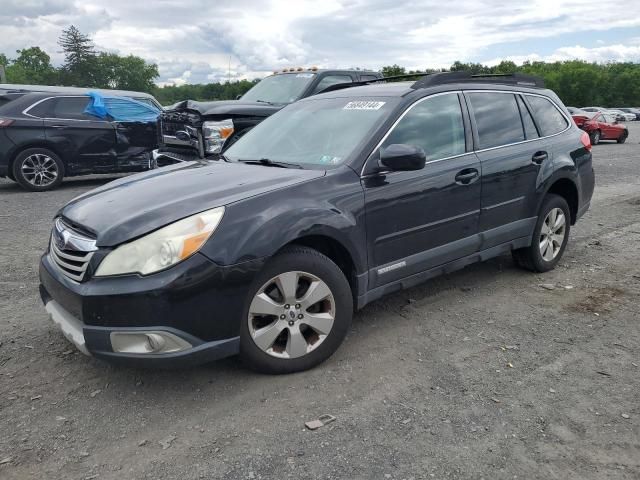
x=483, y=373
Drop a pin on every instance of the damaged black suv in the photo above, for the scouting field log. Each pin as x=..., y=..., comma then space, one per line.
x=47, y=135
x=192, y=130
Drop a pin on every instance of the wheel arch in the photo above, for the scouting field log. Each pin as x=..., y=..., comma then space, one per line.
x=566, y=188
x=336, y=251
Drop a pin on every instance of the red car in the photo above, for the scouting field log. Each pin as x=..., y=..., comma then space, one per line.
x=601, y=126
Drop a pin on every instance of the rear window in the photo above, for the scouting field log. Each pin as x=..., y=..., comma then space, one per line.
x=497, y=118
x=9, y=97
x=548, y=117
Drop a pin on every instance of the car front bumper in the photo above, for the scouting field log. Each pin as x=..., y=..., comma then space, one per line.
x=186, y=315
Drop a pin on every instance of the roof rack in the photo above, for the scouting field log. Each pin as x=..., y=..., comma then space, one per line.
x=468, y=77
x=340, y=86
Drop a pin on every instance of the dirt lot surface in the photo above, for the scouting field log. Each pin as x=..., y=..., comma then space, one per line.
x=491, y=372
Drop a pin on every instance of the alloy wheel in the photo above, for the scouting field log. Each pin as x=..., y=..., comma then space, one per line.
x=291, y=314
x=552, y=234
x=39, y=170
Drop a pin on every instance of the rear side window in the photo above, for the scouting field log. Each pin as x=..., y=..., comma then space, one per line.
x=331, y=80
x=497, y=118
x=435, y=125
x=44, y=109
x=72, y=108
x=527, y=122
x=548, y=117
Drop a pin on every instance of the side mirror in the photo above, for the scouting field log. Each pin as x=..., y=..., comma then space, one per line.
x=401, y=157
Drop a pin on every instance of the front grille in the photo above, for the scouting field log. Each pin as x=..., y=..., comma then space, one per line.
x=70, y=251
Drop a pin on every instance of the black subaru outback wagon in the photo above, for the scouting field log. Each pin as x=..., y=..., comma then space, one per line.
x=325, y=206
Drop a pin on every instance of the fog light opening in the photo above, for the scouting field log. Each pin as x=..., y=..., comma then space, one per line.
x=156, y=342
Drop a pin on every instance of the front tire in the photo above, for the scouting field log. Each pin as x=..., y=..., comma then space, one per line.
x=595, y=137
x=298, y=312
x=38, y=169
x=550, y=236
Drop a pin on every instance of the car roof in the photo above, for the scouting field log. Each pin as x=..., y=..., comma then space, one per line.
x=9, y=87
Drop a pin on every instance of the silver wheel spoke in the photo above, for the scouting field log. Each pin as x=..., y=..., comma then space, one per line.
x=265, y=336
x=320, y=322
x=560, y=220
x=316, y=292
x=308, y=320
x=39, y=169
x=296, y=343
x=543, y=244
x=548, y=252
x=287, y=283
x=263, y=305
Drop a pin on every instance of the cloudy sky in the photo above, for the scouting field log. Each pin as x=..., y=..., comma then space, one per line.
x=194, y=41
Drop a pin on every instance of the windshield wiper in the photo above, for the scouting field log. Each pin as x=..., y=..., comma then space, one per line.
x=271, y=163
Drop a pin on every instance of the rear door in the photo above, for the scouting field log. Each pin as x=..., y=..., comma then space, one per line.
x=421, y=219
x=85, y=142
x=512, y=155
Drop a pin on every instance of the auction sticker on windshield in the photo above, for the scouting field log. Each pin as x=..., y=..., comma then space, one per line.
x=363, y=105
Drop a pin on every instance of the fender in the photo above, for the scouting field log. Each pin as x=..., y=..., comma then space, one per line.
x=332, y=206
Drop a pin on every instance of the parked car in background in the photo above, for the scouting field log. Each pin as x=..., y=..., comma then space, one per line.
x=601, y=126
x=621, y=115
x=319, y=210
x=192, y=130
x=578, y=111
x=634, y=111
x=48, y=135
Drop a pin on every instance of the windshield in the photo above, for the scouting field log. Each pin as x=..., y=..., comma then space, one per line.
x=283, y=88
x=320, y=132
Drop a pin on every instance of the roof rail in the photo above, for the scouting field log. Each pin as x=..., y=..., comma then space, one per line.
x=340, y=86
x=468, y=77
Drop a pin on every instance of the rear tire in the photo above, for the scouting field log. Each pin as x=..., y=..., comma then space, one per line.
x=623, y=137
x=550, y=236
x=38, y=169
x=284, y=327
x=595, y=137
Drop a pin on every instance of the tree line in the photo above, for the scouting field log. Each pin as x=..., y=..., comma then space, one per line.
x=576, y=82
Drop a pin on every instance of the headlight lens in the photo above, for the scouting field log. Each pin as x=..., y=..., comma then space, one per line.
x=215, y=134
x=162, y=248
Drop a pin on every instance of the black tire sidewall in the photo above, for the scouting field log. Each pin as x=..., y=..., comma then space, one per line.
x=623, y=137
x=313, y=262
x=550, y=202
x=23, y=182
x=595, y=137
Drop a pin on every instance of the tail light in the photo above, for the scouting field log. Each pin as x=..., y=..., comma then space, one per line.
x=5, y=122
x=586, y=140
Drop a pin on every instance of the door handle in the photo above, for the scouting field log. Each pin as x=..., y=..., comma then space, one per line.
x=467, y=176
x=539, y=157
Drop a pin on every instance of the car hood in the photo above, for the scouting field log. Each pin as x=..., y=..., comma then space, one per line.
x=133, y=206
x=227, y=107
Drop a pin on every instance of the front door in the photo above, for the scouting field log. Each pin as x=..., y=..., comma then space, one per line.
x=418, y=220
x=86, y=143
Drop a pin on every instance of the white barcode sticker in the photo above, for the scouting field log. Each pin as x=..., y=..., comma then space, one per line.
x=363, y=105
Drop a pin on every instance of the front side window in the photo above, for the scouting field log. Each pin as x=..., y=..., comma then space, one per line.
x=281, y=88
x=318, y=132
x=435, y=125
x=331, y=80
x=548, y=117
x=497, y=119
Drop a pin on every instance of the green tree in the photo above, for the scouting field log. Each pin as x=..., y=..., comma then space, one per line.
x=392, y=70
x=80, y=58
x=124, y=73
x=33, y=66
